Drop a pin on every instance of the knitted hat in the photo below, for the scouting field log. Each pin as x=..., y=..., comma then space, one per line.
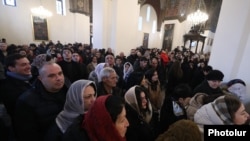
x=215, y=75
x=40, y=59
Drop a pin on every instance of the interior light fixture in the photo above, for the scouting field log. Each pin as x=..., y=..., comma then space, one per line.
x=197, y=17
x=41, y=12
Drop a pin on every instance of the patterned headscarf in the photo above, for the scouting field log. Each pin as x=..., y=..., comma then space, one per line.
x=74, y=105
x=215, y=113
x=221, y=109
x=39, y=60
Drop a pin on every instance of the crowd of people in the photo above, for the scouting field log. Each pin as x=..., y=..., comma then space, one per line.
x=55, y=92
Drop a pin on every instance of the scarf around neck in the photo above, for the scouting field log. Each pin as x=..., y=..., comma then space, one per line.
x=19, y=76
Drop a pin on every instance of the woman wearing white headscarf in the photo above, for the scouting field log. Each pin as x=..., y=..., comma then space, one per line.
x=80, y=96
x=127, y=70
x=139, y=115
x=95, y=74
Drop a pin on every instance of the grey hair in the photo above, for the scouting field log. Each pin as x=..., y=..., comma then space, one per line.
x=41, y=70
x=105, y=72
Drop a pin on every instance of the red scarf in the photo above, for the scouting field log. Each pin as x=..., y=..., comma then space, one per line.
x=98, y=123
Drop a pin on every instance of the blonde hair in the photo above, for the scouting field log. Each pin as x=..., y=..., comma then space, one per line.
x=182, y=130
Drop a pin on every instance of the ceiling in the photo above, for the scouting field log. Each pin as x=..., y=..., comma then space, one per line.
x=179, y=9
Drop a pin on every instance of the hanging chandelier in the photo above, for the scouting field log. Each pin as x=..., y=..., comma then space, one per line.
x=41, y=12
x=197, y=17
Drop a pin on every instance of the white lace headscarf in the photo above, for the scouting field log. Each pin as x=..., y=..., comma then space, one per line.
x=95, y=74
x=130, y=69
x=99, y=68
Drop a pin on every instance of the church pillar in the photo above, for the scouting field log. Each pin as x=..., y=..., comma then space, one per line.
x=115, y=24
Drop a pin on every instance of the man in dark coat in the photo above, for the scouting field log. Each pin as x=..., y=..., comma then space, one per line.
x=38, y=107
x=71, y=69
x=18, y=76
x=173, y=108
x=110, y=60
x=108, y=83
x=17, y=80
x=132, y=57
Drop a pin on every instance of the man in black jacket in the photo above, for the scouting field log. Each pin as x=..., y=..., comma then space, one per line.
x=71, y=70
x=108, y=83
x=38, y=107
x=18, y=77
x=17, y=80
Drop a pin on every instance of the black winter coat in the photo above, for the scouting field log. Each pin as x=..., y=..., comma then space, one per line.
x=36, y=111
x=138, y=129
x=54, y=133
x=75, y=132
x=102, y=91
x=168, y=116
x=11, y=89
x=205, y=88
x=72, y=70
